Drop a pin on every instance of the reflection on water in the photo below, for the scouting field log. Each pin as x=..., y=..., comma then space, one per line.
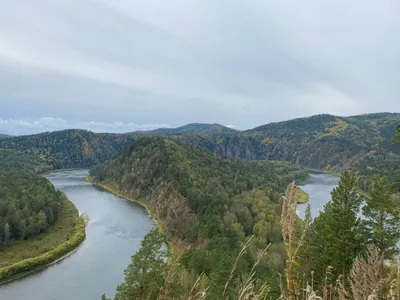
x=114, y=232
x=319, y=187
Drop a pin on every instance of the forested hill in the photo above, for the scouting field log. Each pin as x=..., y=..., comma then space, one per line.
x=207, y=200
x=362, y=143
x=29, y=203
x=68, y=148
x=193, y=128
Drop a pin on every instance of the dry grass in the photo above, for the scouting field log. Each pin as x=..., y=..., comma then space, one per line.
x=291, y=240
x=366, y=279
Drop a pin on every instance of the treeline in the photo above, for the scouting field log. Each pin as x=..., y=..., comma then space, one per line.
x=210, y=202
x=68, y=148
x=29, y=204
x=358, y=143
x=347, y=252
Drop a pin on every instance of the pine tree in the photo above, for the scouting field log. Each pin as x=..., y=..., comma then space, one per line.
x=382, y=217
x=336, y=231
x=144, y=275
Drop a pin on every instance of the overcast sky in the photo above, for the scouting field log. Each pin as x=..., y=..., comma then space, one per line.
x=118, y=66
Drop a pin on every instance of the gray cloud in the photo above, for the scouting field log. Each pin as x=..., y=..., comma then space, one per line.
x=232, y=62
x=30, y=126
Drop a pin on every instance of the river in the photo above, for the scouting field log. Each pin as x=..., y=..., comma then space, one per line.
x=114, y=232
x=319, y=187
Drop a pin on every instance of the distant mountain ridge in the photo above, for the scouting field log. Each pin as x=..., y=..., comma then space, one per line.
x=362, y=143
x=192, y=128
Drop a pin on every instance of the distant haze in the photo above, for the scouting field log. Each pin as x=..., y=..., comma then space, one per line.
x=120, y=66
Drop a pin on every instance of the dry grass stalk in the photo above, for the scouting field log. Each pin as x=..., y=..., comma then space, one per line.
x=366, y=277
x=290, y=239
x=246, y=245
x=248, y=290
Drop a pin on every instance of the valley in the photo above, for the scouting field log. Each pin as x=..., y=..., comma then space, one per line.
x=212, y=190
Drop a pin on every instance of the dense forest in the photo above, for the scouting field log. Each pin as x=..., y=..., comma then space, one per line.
x=208, y=201
x=68, y=148
x=358, y=143
x=234, y=233
x=29, y=204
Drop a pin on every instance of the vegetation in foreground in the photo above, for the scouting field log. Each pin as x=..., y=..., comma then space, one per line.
x=338, y=255
x=208, y=205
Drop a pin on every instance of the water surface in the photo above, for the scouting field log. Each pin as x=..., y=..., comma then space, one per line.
x=319, y=187
x=113, y=234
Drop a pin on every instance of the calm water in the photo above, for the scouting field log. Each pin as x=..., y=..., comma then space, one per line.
x=114, y=233
x=318, y=187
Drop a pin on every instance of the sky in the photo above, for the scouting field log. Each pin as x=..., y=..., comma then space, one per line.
x=126, y=65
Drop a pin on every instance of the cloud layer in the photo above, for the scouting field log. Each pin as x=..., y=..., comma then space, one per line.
x=231, y=62
x=29, y=126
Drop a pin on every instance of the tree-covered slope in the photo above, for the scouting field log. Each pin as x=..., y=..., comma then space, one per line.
x=362, y=143
x=193, y=128
x=68, y=148
x=205, y=200
x=29, y=204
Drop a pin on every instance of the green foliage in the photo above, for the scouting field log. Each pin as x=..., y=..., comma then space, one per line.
x=396, y=139
x=202, y=196
x=144, y=275
x=30, y=264
x=335, y=238
x=68, y=148
x=360, y=143
x=382, y=219
x=29, y=203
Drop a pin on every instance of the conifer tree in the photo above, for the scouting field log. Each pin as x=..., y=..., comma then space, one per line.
x=144, y=275
x=336, y=231
x=382, y=217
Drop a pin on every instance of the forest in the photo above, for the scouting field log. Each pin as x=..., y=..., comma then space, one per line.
x=207, y=201
x=247, y=237
x=325, y=142
x=29, y=204
x=218, y=197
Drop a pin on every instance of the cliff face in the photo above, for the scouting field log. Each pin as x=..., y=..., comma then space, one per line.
x=323, y=142
x=188, y=189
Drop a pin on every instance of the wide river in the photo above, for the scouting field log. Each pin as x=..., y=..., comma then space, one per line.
x=113, y=234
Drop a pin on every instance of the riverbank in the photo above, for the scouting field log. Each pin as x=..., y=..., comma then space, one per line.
x=140, y=202
x=302, y=196
x=59, y=241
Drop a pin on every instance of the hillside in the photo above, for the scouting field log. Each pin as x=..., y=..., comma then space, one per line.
x=68, y=148
x=193, y=128
x=362, y=143
x=205, y=200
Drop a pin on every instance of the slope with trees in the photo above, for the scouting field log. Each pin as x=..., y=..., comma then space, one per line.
x=359, y=143
x=68, y=148
x=208, y=205
x=35, y=218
